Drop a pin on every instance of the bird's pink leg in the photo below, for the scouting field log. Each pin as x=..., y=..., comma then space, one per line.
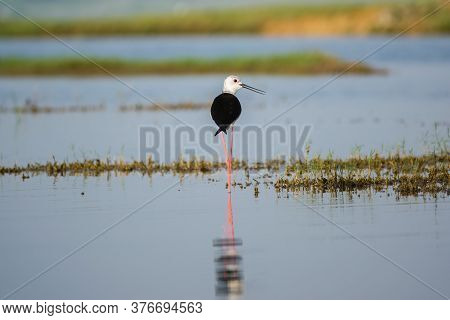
x=230, y=159
x=227, y=161
x=231, y=148
x=224, y=144
x=230, y=224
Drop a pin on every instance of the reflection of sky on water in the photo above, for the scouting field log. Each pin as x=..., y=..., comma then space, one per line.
x=372, y=111
x=164, y=251
x=401, y=51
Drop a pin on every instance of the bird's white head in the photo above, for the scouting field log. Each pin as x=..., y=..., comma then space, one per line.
x=232, y=84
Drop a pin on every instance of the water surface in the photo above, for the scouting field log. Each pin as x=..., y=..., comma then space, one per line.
x=165, y=249
x=372, y=112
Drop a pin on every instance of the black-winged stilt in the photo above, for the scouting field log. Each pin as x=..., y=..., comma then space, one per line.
x=226, y=109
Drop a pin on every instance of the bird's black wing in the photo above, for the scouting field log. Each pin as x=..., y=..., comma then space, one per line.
x=225, y=109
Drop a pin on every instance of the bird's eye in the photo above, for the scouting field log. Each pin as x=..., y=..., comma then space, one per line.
x=235, y=80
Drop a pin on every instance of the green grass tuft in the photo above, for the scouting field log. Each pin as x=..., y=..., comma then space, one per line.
x=290, y=64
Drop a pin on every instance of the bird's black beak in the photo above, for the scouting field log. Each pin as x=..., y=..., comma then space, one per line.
x=252, y=89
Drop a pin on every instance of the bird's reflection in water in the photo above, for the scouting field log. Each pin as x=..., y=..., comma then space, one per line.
x=228, y=261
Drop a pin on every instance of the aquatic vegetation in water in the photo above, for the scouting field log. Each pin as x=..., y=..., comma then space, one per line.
x=97, y=167
x=405, y=174
x=296, y=63
x=33, y=108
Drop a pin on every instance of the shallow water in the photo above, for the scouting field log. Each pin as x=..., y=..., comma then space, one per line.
x=374, y=112
x=402, y=50
x=165, y=249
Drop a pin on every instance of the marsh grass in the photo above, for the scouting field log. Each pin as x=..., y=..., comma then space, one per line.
x=33, y=108
x=296, y=63
x=278, y=19
x=405, y=174
x=97, y=167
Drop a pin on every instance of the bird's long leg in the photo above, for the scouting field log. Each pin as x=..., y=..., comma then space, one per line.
x=230, y=224
x=224, y=144
x=227, y=161
x=231, y=148
x=230, y=157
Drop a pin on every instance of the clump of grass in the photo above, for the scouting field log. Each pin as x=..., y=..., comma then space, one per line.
x=280, y=19
x=406, y=174
x=297, y=63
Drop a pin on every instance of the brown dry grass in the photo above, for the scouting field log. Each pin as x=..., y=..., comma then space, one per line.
x=353, y=22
